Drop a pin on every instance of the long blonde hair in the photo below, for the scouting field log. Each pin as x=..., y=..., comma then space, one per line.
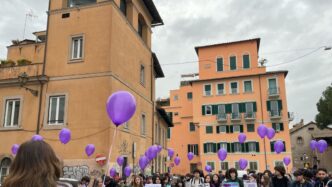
x=35, y=165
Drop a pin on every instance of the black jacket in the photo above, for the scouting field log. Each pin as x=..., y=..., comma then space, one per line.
x=298, y=184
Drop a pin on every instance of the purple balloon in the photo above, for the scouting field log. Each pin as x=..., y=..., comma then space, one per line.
x=270, y=133
x=160, y=148
x=222, y=154
x=65, y=135
x=190, y=156
x=127, y=171
x=152, y=152
x=90, y=149
x=287, y=160
x=15, y=148
x=208, y=168
x=170, y=152
x=177, y=161
x=262, y=130
x=121, y=106
x=313, y=145
x=242, y=138
x=120, y=160
x=243, y=163
x=113, y=172
x=322, y=146
x=143, y=162
x=37, y=138
x=279, y=146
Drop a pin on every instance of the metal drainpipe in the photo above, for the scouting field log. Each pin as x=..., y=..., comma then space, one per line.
x=153, y=106
x=260, y=95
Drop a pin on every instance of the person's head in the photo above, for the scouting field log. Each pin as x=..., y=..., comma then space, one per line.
x=85, y=180
x=207, y=179
x=267, y=173
x=149, y=180
x=245, y=177
x=252, y=177
x=321, y=173
x=188, y=177
x=157, y=180
x=232, y=173
x=215, y=178
x=107, y=180
x=308, y=175
x=298, y=175
x=165, y=180
x=265, y=180
x=34, y=165
x=179, y=183
x=279, y=171
x=196, y=173
x=138, y=181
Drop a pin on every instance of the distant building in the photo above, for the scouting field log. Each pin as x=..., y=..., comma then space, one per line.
x=301, y=135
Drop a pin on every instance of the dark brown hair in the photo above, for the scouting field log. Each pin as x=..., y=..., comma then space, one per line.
x=34, y=165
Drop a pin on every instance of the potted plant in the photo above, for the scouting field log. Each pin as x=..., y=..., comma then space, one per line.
x=23, y=62
x=7, y=63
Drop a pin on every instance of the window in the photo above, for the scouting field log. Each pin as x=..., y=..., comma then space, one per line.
x=221, y=109
x=77, y=48
x=247, y=86
x=12, y=112
x=140, y=27
x=193, y=148
x=222, y=145
x=273, y=88
x=4, y=169
x=235, y=111
x=142, y=75
x=278, y=163
x=272, y=146
x=221, y=89
x=251, y=127
x=234, y=88
x=222, y=129
x=274, y=107
x=73, y=3
x=168, y=133
x=311, y=128
x=236, y=128
x=232, y=61
x=192, y=127
x=176, y=97
x=123, y=6
x=224, y=166
x=253, y=166
x=210, y=148
x=126, y=125
x=189, y=95
x=237, y=147
x=143, y=124
x=208, y=129
x=211, y=164
x=237, y=166
x=56, y=110
x=252, y=147
x=207, y=90
x=299, y=140
x=278, y=127
x=220, y=64
x=246, y=61
x=208, y=110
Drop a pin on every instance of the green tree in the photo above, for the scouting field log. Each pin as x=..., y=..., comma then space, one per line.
x=324, y=107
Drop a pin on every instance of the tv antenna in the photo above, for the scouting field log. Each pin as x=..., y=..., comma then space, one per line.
x=28, y=15
x=262, y=62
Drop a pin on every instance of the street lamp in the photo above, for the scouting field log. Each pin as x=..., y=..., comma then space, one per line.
x=23, y=78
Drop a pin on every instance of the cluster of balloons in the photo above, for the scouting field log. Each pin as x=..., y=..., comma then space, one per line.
x=263, y=131
x=320, y=146
x=120, y=161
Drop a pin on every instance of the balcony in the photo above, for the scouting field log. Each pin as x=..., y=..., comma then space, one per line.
x=236, y=116
x=275, y=114
x=274, y=92
x=249, y=116
x=222, y=117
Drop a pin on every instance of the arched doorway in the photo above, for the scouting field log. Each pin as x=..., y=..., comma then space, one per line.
x=4, y=168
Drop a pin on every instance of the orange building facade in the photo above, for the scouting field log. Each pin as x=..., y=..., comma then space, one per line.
x=232, y=95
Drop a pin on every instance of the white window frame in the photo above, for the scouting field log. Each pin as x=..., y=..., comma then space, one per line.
x=253, y=161
x=246, y=53
x=254, y=143
x=229, y=60
x=224, y=91
x=223, y=63
x=268, y=82
x=234, y=128
x=238, y=143
x=5, y=110
x=80, y=44
x=221, y=165
x=252, y=86
x=46, y=118
x=220, y=129
x=211, y=90
x=206, y=106
x=142, y=78
x=230, y=87
x=57, y=109
x=143, y=124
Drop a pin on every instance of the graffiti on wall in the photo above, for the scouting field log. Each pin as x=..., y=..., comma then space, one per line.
x=75, y=172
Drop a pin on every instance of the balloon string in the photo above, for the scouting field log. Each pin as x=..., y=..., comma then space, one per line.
x=109, y=155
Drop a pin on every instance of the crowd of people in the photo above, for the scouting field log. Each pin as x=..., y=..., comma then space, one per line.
x=36, y=165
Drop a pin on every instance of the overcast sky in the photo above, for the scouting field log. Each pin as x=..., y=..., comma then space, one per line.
x=288, y=30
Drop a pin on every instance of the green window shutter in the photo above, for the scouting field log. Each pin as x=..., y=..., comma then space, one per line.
x=229, y=147
x=242, y=107
x=247, y=147
x=196, y=150
x=208, y=129
x=218, y=146
x=274, y=126
x=241, y=128
x=233, y=63
x=281, y=127
x=188, y=148
x=203, y=110
x=268, y=104
x=243, y=148
x=227, y=129
x=272, y=146
x=220, y=64
x=280, y=105
x=217, y=130
x=232, y=147
x=205, y=148
x=257, y=147
x=246, y=61
x=228, y=108
x=231, y=129
x=214, y=147
x=214, y=109
x=168, y=133
x=284, y=145
x=255, y=106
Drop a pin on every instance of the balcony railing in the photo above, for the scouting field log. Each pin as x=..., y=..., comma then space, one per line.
x=250, y=115
x=274, y=91
x=207, y=93
x=275, y=114
x=234, y=91
x=222, y=117
x=13, y=72
x=235, y=116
